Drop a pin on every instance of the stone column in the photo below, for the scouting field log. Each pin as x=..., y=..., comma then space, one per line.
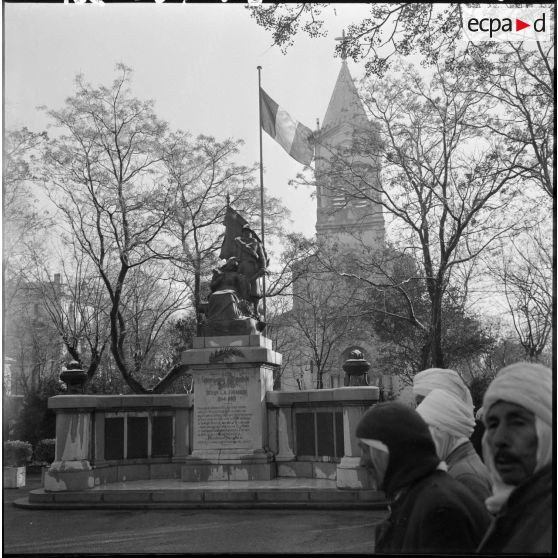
x=285, y=434
x=182, y=435
x=349, y=472
x=71, y=469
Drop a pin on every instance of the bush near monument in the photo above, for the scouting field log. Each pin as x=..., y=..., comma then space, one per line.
x=17, y=453
x=45, y=451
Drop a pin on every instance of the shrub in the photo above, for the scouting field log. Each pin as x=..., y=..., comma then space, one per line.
x=17, y=453
x=44, y=450
x=35, y=420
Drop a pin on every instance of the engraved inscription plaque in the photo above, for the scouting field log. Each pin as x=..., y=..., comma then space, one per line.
x=227, y=411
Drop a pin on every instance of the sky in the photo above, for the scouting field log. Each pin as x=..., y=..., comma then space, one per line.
x=198, y=62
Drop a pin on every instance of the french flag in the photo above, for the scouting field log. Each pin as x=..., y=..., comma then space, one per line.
x=295, y=138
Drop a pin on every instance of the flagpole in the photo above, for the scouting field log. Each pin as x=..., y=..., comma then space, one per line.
x=261, y=184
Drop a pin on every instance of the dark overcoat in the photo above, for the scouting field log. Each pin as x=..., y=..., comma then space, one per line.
x=435, y=515
x=524, y=525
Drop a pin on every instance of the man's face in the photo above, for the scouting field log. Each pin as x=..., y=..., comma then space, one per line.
x=375, y=461
x=512, y=438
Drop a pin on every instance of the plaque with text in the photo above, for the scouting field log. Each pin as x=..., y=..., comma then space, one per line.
x=228, y=410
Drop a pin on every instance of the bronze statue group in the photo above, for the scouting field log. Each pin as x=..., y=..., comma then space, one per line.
x=237, y=287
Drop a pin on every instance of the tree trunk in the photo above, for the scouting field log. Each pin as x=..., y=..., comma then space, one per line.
x=197, y=298
x=436, y=352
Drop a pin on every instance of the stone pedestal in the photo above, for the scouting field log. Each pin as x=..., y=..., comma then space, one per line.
x=14, y=477
x=71, y=469
x=231, y=376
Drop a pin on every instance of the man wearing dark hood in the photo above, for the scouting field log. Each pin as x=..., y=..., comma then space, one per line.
x=431, y=513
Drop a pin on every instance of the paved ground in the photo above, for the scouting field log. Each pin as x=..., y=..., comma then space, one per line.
x=184, y=531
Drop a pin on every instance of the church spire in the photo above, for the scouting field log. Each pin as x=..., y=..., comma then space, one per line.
x=345, y=105
x=345, y=217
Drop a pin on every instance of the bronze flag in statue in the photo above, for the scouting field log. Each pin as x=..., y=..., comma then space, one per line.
x=233, y=228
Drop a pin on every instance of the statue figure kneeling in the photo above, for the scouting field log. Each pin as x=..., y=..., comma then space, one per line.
x=227, y=311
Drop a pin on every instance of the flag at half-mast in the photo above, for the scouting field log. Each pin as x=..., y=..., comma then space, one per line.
x=295, y=138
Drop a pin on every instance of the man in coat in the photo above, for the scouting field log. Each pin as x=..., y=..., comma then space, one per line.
x=449, y=381
x=431, y=513
x=451, y=423
x=517, y=446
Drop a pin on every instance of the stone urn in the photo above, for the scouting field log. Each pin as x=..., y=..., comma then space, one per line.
x=356, y=368
x=74, y=377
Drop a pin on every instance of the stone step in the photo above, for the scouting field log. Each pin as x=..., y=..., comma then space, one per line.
x=279, y=493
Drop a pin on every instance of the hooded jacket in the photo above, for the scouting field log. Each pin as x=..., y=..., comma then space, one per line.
x=431, y=513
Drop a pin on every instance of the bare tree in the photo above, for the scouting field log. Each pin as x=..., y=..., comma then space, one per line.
x=524, y=272
x=77, y=303
x=324, y=318
x=24, y=223
x=152, y=299
x=103, y=171
x=520, y=82
x=445, y=184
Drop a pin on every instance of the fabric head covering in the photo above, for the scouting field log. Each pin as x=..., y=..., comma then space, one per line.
x=529, y=385
x=448, y=413
x=526, y=384
x=412, y=454
x=450, y=420
x=441, y=378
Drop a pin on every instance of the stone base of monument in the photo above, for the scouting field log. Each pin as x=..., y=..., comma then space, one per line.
x=258, y=466
x=351, y=475
x=68, y=475
x=231, y=375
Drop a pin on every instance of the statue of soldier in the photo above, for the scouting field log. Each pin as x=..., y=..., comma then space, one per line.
x=253, y=265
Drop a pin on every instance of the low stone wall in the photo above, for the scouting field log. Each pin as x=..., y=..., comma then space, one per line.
x=312, y=433
x=101, y=439
x=105, y=439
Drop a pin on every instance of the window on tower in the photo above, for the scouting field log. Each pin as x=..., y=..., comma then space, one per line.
x=338, y=201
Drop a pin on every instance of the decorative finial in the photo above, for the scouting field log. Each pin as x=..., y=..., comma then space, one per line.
x=343, y=40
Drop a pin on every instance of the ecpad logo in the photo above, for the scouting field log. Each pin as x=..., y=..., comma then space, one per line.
x=506, y=24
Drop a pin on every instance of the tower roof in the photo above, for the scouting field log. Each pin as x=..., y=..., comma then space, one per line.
x=345, y=105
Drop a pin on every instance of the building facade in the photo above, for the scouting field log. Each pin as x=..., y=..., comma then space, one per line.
x=33, y=349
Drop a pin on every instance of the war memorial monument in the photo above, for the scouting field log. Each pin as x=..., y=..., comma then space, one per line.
x=233, y=441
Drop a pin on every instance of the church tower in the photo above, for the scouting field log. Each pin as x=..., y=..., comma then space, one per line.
x=348, y=211
x=350, y=220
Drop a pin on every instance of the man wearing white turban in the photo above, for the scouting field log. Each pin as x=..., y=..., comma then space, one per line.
x=440, y=378
x=450, y=381
x=517, y=446
x=451, y=423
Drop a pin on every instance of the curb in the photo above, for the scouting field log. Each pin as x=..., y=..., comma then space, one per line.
x=24, y=503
